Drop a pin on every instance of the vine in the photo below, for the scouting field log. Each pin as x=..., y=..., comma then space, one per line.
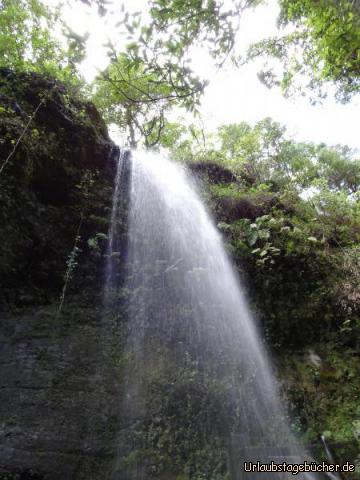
x=8, y=158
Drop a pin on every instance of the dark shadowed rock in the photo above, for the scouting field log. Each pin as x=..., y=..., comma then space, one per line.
x=229, y=209
x=59, y=375
x=212, y=172
x=59, y=393
x=61, y=171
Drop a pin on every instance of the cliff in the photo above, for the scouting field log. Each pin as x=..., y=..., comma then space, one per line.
x=61, y=356
x=57, y=406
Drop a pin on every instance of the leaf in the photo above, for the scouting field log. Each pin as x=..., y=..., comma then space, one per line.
x=102, y=236
x=264, y=234
x=223, y=226
x=252, y=239
x=92, y=242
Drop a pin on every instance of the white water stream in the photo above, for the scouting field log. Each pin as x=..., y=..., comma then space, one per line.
x=186, y=302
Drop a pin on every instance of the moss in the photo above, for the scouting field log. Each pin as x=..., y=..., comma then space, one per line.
x=21, y=475
x=322, y=384
x=61, y=170
x=212, y=172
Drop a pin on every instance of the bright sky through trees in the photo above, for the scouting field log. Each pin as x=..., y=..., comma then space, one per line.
x=234, y=94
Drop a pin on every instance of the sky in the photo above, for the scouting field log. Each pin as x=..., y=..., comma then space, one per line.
x=233, y=94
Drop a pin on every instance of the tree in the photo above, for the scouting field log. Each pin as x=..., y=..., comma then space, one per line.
x=263, y=154
x=153, y=73
x=209, y=23
x=339, y=168
x=290, y=214
x=322, y=49
x=27, y=43
x=136, y=95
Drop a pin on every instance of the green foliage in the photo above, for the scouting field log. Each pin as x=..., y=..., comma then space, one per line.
x=323, y=48
x=340, y=170
x=264, y=155
x=290, y=214
x=182, y=433
x=193, y=22
x=51, y=180
x=153, y=72
x=324, y=394
x=136, y=94
x=27, y=42
x=187, y=142
x=292, y=222
x=94, y=242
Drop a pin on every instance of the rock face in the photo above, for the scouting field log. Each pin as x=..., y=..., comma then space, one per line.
x=61, y=172
x=59, y=375
x=212, y=172
x=59, y=394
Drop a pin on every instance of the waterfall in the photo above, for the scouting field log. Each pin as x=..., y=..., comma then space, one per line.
x=117, y=226
x=199, y=389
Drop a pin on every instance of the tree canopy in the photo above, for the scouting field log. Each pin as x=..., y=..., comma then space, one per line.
x=323, y=47
x=28, y=43
x=290, y=212
x=136, y=95
x=153, y=72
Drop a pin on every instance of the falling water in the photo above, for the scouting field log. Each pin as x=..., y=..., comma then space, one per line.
x=117, y=221
x=195, y=367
